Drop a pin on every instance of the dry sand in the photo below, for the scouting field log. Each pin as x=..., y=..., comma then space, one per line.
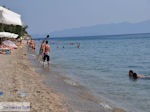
x=17, y=74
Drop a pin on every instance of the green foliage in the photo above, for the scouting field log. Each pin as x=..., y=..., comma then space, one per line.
x=13, y=29
x=1, y=27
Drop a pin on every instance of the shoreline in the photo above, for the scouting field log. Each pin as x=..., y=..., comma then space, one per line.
x=18, y=75
x=78, y=96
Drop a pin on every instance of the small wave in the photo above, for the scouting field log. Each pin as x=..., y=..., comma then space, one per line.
x=41, y=62
x=32, y=55
x=145, y=78
x=71, y=82
x=106, y=106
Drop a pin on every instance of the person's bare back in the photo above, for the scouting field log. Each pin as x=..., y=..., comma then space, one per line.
x=47, y=49
x=47, y=53
x=43, y=47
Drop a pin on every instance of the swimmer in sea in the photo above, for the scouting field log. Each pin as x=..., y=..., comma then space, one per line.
x=135, y=76
x=78, y=46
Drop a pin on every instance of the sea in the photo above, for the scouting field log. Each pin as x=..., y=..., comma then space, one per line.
x=100, y=68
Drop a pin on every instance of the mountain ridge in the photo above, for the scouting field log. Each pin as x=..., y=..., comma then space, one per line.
x=105, y=29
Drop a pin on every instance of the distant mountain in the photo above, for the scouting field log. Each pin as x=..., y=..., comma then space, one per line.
x=106, y=29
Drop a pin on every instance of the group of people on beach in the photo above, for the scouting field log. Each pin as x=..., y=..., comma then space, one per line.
x=45, y=52
x=44, y=49
x=71, y=43
x=31, y=44
x=78, y=44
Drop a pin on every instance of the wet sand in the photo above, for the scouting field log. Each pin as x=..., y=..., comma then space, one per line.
x=78, y=96
x=17, y=75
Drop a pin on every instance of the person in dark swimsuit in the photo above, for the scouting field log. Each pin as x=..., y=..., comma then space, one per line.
x=135, y=76
x=47, y=53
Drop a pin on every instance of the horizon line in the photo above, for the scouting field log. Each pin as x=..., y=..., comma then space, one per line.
x=90, y=36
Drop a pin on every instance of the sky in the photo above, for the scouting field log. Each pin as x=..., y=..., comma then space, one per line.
x=45, y=16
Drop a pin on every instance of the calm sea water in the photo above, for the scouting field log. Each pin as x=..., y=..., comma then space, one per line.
x=102, y=64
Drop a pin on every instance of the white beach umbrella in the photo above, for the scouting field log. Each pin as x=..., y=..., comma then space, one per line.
x=8, y=35
x=9, y=17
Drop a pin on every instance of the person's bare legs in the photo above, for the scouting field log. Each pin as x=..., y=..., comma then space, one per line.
x=43, y=62
x=43, y=59
x=38, y=57
x=48, y=64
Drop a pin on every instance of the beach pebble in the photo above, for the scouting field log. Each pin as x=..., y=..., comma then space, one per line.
x=38, y=91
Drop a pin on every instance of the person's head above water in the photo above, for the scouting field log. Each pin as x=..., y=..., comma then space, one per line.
x=46, y=42
x=47, y=36
x=135, y=76
x=131, y=72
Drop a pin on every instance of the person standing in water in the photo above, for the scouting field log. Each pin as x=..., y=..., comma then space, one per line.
x=78, y=46
x=47, y=53
x=42, y=48
x=34, y=46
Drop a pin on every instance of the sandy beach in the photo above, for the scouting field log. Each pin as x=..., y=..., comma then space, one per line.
x=17, y=75
x=74, y=56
